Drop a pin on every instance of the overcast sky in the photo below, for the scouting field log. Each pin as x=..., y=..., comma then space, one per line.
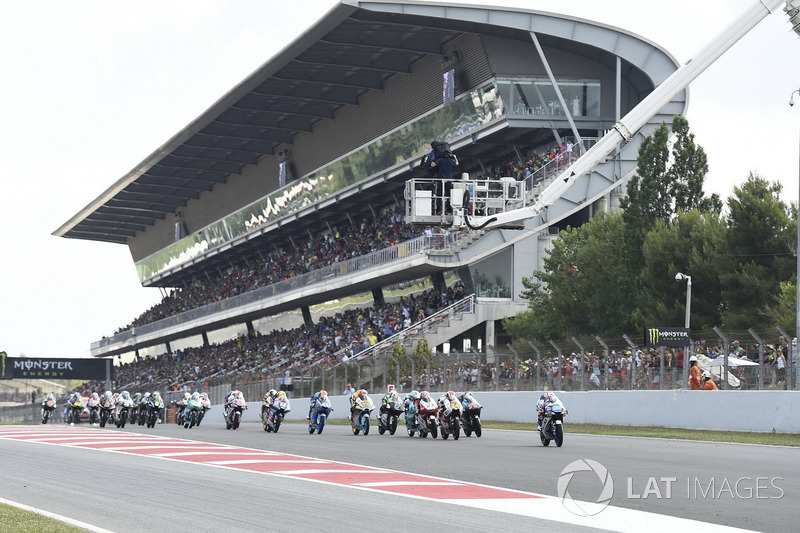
x=92, y=88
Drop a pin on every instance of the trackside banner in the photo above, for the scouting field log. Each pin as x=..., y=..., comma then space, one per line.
x=661, y=336
x=41, y=368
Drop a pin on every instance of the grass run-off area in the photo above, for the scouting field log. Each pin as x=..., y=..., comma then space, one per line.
x=743, y=437
x=21, y=521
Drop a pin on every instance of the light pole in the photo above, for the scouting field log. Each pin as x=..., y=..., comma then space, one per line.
x=687, y=322
x=681, y=277
x=797, y=260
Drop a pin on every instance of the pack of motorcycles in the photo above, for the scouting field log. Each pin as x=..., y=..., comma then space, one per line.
x=422, y=416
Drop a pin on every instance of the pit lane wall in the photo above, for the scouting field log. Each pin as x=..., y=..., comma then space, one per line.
x=758, y=411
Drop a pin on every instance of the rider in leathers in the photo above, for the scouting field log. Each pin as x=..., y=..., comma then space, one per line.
x=548, y=398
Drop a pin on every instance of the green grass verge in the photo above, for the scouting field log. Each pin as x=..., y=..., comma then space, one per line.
x=742, y=437
x=20, y=521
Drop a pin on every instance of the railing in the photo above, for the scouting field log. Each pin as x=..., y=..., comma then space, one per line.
x=404, y=250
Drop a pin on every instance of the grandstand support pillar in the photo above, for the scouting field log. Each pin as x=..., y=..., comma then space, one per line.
x=169, y=348
x=437, y=279
x=307, y=316
x=205, y=339
x=251, y=331
x=377, y=297
x=489, y=338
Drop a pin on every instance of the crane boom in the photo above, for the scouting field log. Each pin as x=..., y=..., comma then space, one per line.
x=513, y=213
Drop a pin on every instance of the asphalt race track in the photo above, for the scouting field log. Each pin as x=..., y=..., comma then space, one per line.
x=741, y=486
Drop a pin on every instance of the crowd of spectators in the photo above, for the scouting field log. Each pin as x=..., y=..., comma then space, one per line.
x=544, y=164
x=257, y=356
x=365, y=235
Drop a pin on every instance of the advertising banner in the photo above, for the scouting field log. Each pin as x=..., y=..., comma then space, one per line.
x=49, y=368
x=663, y=336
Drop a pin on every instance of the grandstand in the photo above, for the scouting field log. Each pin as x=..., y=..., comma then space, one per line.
x=324, y=136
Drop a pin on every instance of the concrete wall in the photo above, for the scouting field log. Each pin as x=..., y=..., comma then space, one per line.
x=759, y=411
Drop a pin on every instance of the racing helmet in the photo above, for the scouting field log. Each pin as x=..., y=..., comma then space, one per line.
x=107, y=393
x=146, y=395
x=425, y=395
x=187, y=395
x=196, y=395
x=272, y=392
x=95, y=396
x=266, y=396
x=323, y=394
x=282, y=395
x=125, y=394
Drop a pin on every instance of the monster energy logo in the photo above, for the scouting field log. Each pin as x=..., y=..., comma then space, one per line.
x=663, y=336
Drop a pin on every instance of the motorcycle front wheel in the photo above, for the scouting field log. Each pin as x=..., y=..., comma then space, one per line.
x=434, y=431
x=392, y=425
x=320, y=425
x=559, y=435
x=277, y=423
x=476, y=426
x=365, y=423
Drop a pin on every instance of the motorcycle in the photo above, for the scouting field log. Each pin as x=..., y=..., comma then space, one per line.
x=192, y=413
x=180, y=407
x=426, y=415
x=553, y=425
x=275, y=414
x=94, y=413
x=124, y=413
x=106, y=412
x=74, y=411
x=47, y=410
x=390, y=414
x=319, y=415
x=450, y=424
x=471, y=416
x=206, y=403
x=359, y=420
x=154, y=407
x=235, y=410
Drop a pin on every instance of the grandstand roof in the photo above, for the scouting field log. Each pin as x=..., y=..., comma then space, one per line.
x=355, y=48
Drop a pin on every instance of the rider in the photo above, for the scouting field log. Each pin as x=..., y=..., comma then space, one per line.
x=232, y=396
x=708, y=382
x=389, y=400
x=360, y=394
x=49, y=397
x=269, y=399
x=125, y=396
x=321, y=396
x=548, y=398
x=445, y=402
x=695, y=381
x=74, y=407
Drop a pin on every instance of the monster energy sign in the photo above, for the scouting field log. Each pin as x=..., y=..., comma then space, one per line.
x=41, y=368
x=660, y=336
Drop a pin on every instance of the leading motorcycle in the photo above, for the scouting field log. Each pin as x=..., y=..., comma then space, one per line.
x=471, y=415
x=234, y=416
x=192, y=412
x=319, y=415
x=154, y=406
x=273, y=417
x=48, y=407
x=553, y=425
x=390, y=414
x=359, y=419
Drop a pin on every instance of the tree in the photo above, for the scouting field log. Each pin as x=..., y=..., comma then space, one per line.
x=761, y=254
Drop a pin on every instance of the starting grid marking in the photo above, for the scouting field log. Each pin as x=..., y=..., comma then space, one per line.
x=355, y=476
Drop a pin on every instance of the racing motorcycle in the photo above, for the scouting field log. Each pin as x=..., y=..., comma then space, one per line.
x=471, y=415
x=74, y=409
x=450, y=423
x=206, y=403
x=390, y=414
x=94, y=409
x=553, y=425
x=193, y=411
x=319, y=415
x=359, y=419
x=154, y=407
x=47, y=410
x=106, y=411
x=274, y=415
x=124, y=412
x=234, y=416
x=422, y=413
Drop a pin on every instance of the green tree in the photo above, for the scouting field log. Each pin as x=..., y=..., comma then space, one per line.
x=692, y=245
x=760, y=238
